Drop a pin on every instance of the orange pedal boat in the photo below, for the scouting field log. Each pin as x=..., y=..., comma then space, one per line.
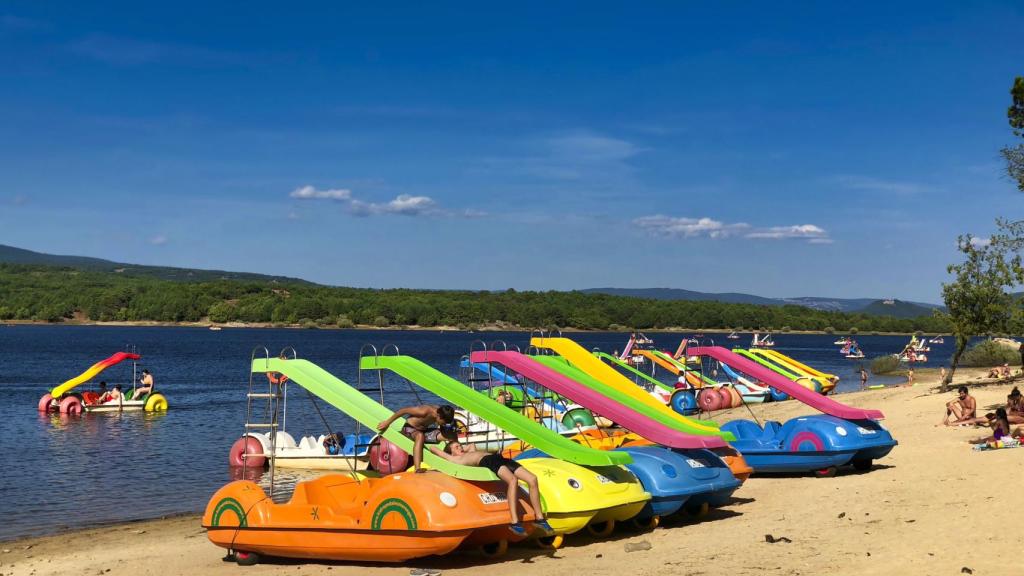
x=344, y=517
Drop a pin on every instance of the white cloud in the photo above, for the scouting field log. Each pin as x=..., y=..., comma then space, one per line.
x=310, y=193
x=869, y=184
x=158, y=240
x=404, y=204
x=979, y=243
x=808, y=232
x=401, y=205
x=688, y=227
x=672, y=227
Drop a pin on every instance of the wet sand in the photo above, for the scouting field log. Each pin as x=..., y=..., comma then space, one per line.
x=933, y=506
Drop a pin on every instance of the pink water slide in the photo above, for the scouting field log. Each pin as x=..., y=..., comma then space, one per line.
x=783, y=384
x=597, y=403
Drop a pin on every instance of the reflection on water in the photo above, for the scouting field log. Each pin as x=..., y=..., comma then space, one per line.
x=66, y=471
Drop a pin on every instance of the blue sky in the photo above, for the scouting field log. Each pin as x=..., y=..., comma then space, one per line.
x=782, y=149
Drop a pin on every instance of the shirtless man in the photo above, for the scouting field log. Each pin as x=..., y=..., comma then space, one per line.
x=426, y=423
x=963, y=409
x=508, y=470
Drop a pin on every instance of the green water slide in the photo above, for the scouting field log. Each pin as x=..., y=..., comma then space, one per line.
x=523, y=428
x=369, y=413
x=646, y=377
x=682, y=424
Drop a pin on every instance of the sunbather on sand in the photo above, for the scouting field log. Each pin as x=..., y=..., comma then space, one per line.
x=1015, y=407
x=963, y=409
x=508, y=470
x=1000, y=429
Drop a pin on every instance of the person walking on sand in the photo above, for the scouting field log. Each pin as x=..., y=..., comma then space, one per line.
x=508, y=470
x=963, y=409
x=910, y=376
x=942, y=374
x=863, y=377
x=425, y=424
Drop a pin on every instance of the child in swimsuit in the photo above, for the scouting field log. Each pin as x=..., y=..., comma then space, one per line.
x=508, y=470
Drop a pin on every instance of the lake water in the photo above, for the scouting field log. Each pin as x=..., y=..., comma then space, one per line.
x=61, y=472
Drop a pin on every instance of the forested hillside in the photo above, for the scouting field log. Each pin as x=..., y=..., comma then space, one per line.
x=56, y=294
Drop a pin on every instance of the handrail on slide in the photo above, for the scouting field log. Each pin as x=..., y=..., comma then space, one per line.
x=500, y=415
x=362, y=408
x=780, y=382
x=625, y=366
x=596, y=402
x=586, y=362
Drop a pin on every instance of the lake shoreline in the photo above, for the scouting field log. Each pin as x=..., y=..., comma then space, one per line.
x=890, y=519
x=413, y=327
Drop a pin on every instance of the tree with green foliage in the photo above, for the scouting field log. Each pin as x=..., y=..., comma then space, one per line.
x=1014, y=155
x=977, y=300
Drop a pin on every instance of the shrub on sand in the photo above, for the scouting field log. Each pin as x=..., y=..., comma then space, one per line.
x=989, y=353
x=885, y=364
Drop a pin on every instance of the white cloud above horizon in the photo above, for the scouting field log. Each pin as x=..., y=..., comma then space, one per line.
x=158, y=240
x=683, y=227
x=401, y=205
x=979, y=243
x=870, y=184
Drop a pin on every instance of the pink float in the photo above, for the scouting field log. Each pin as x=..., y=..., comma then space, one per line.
x=387, y=458
x=71, y=405
x=247, y=451
x=46, y=403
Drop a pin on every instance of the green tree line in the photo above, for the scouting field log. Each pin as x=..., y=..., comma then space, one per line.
x=54, y=294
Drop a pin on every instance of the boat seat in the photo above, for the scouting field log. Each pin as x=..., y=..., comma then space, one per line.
x=308, y=443
x=284, y=440
x=771, y=430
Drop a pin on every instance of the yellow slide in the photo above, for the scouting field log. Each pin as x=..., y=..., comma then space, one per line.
x=579, y=357
x=827, y=381
x=91, y=372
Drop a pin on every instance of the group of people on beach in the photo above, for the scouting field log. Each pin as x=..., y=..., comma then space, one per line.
x=430, y=424
x=964, y=412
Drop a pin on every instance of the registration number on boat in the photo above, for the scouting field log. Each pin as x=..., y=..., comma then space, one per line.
x=493, y=498
x=695, y=463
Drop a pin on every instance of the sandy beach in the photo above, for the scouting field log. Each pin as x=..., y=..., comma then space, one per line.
x=933, y=506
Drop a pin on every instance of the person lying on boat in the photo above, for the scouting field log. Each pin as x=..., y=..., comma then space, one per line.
x=963, y=409
x=424, y=424
x=147, y=385
x=508, y=470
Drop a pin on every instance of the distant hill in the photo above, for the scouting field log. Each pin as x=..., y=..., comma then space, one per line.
x=680, y=294
x=13, y=255
x=897, y=309
x=900, y=309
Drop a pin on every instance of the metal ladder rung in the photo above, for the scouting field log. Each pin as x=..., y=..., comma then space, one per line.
x=248, y=425
x=263, y=395
x=367, y=389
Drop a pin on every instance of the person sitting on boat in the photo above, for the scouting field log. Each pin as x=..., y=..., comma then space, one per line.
x=147, y=385
x=963, y=409
x=112, y=396
x=510, y=471
x=425, y=424
x=102, y=392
